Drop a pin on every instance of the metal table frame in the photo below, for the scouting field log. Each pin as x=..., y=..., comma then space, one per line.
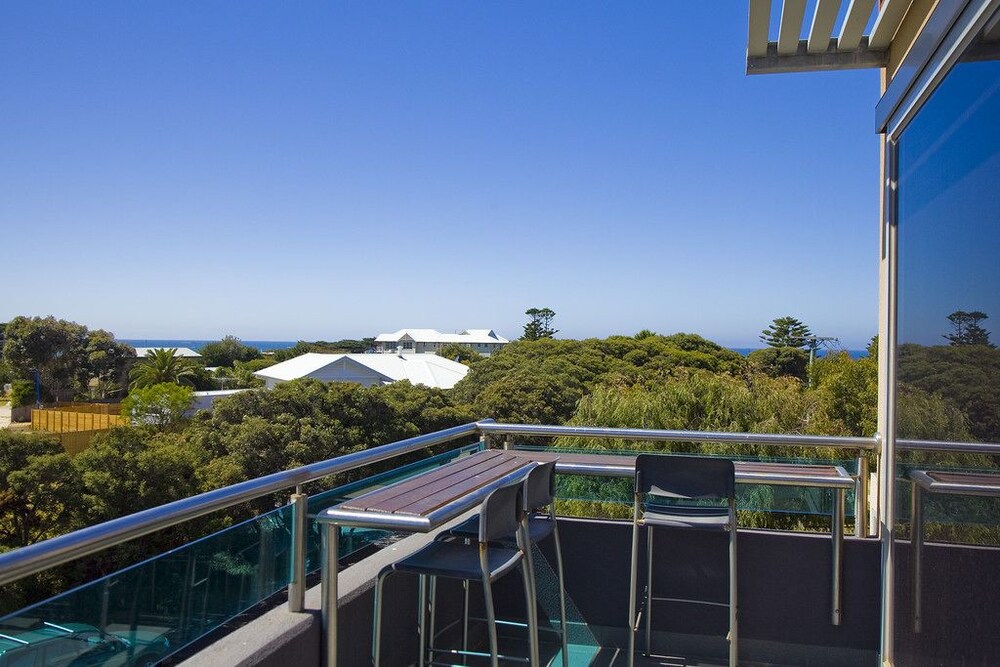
x=778, y=474
x=334, y=518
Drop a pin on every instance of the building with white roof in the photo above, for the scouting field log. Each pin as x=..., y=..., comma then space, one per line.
x=407, y=341
x=185, y=352
x=367, y=369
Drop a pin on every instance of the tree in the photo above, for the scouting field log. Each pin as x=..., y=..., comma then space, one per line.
x=781, y=361
x=161, y=405
x=227, y=352
x=57, y=348
x=788, y=332
x=162, y=365
x=107, y=362
x=967, y=330
x=540, y=324
x=459, y=352
x=39, y=489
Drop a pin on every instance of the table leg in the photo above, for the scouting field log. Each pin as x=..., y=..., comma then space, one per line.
x=331, y=538
x=916, y=550
x=837, y=537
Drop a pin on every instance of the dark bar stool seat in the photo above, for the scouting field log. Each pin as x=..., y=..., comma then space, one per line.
x=538, y=503
x=486, y=560
x=681, y=478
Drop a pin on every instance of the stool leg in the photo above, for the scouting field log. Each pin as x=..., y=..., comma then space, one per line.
x=491, y=621
x=649, y=590
x=430, y=633
x=733, y=604
x=422, y=617
x=465, y=620
x=562, y=588
x=377, y=635
x=528, y=575
x=630, y=658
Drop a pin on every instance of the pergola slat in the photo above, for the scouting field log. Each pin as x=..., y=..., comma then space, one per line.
x=889, y=18
x=760, y=21
x=854, y=24
x=792, y=13
x=822, y=26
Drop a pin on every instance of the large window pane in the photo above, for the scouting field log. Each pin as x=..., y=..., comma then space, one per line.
x=948, y=369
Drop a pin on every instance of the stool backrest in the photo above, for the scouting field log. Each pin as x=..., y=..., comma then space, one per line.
x=540, y=486
x=500, y=514
x=685, y=477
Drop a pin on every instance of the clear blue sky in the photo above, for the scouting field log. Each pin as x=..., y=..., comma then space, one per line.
x=336, y=169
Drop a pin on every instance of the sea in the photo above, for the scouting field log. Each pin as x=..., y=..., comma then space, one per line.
x=262, y=345
x=271, y=345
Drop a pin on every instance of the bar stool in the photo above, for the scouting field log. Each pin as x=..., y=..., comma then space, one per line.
x=681, y=478
x=538, y=503
x=487, y=561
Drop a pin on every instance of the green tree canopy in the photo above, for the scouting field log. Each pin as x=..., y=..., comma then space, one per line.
x=57, y=348
x=787, y=332
x=160, y=405
x=227, y=352
x=162, y=365
x=39, y=489
x=967, y=329
x=540, y=324
x=459, y=352
x=781, y=361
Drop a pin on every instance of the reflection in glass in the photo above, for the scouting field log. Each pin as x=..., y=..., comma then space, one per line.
x=948, y=365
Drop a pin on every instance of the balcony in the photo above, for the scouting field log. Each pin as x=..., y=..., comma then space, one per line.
x=802, y=598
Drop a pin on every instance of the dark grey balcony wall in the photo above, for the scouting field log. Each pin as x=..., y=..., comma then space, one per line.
x=784, y=589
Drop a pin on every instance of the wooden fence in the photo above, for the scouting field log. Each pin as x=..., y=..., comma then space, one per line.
x=75, y=442
x=96, y=408
x=65, y=421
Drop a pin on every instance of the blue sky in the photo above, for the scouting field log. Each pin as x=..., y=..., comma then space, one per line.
x=336, y=169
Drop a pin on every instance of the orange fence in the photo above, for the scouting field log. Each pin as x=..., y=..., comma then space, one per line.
x=75, y=442
x=96, y=408
x=64, y=421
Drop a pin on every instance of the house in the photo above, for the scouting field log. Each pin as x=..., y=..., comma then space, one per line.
x=407, y=341
x=183, y=352
x=367, y=369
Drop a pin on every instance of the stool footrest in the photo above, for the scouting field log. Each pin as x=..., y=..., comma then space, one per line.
x=690, y=601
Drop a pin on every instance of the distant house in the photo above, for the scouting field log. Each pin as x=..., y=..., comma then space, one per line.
x=185, y=352
x=367, y=369
x=406, y=341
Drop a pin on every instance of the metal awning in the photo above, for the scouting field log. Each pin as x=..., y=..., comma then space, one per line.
x=826, y=46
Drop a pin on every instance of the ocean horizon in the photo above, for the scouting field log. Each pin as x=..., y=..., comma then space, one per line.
x=272, y=345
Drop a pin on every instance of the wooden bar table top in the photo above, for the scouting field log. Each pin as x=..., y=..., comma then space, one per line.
x=424, y=502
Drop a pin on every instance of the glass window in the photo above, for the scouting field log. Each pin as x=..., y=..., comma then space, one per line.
x=948, y=367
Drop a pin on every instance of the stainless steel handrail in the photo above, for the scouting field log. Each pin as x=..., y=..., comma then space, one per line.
x=59, y=550
x=50, y=553
x=842, y=442
x=946, y=446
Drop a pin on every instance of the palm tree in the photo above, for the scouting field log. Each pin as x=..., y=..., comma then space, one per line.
x=161, y=365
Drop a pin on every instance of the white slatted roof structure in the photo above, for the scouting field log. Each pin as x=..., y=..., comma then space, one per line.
x=825, y=45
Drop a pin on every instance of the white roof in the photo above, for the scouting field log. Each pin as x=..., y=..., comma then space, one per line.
x=181, y=351
x=435, y=336
x=426, y=369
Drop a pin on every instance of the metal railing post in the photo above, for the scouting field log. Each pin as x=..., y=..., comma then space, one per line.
x=861, y=498
x=329, y=593
x=297, y=577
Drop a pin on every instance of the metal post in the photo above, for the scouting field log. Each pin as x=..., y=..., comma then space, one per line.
x=837, y=537
x=861, y=498
x=630, y=658
x=734, y=634
x=331, y=539
x=917, y=547
x=297, y=576
x=649, y=590
x=508, y=444
x=484, y=443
